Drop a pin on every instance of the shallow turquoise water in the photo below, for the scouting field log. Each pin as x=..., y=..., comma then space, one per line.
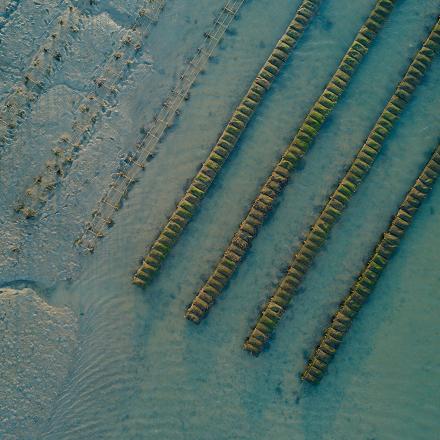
x=140, y=370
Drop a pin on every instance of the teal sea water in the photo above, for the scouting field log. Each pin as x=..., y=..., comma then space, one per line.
x=89, y=355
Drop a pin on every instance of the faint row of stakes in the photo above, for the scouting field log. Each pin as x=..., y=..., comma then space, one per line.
x=101, y=97
x=64, y=152
x=369, y=276
x=145, y=148
x=227, y=141
x=321, y=229
x=44, y=64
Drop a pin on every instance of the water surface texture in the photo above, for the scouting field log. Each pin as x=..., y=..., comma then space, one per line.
x=86, y=354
